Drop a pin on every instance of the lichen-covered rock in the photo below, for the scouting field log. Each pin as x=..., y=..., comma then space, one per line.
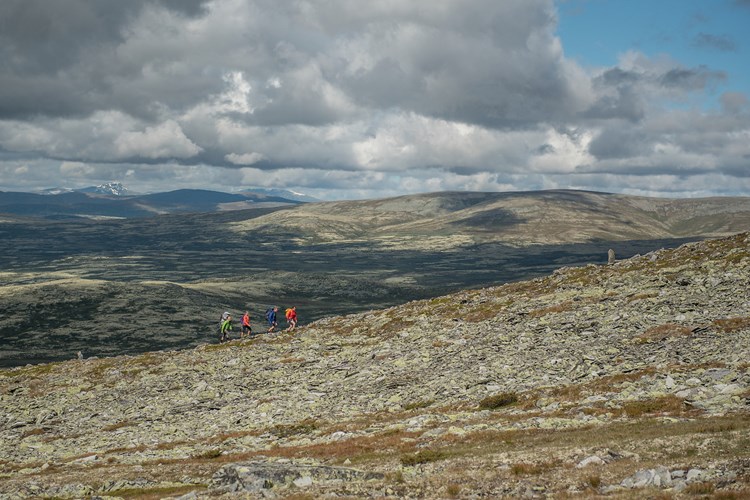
x=495, y=391
x=259, y=476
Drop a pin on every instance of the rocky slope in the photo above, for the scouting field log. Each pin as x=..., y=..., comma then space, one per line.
x=629, y=379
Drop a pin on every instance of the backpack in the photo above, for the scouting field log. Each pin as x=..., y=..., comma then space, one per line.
x=288, y=313
x=269, y=312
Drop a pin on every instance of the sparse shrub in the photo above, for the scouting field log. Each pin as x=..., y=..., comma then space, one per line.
x=453, y=490
x=595, y=481
x=525, y=469
x=423, y=403
x=302, y=427
x=33, y=432
x=208, y=455
x=705, y=488
x=396, y=477
x=498, y=401
x=423, y=457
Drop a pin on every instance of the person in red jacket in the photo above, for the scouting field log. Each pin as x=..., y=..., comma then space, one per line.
x=246, y=329
x=291, y=318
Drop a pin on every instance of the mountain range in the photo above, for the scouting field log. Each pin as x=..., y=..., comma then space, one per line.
x=113, y=200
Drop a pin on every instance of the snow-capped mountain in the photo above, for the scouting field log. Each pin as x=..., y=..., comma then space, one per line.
x=110, y=188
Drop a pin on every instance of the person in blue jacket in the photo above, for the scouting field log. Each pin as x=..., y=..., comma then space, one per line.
x=271, y=317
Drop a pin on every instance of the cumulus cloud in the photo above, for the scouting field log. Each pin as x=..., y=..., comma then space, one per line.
x=165, y=140
x=347, y=99
x=244, y=159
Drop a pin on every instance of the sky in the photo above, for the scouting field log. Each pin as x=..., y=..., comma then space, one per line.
x=347, y=100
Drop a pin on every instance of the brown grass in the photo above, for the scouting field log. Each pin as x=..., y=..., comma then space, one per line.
x=704, y=488
x=118, y=425
x=662, y=332
x=557, y=308
x=33, y=432
x=423, y=457
x=607, y=383
x=670, y=405
x=530, y=469
x=418, y=405
x=498, y=401
x=157, y=493
x=302, y=427
x=730, y=325
x=292, y=360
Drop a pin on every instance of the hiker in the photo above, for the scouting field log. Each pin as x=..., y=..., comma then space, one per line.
x=222, y=319
x=291, y=318
x=271, y=317
x=246, y=329
x=226, y=327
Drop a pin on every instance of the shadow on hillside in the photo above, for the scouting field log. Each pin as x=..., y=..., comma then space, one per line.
x=132, y=310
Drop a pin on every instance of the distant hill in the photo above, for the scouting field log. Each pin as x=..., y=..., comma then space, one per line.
x=112, y=201
x=451, y=219
x=282, y=193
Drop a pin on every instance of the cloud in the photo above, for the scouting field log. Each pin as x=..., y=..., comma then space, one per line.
x=348, y=99
x=165, y=140
x=734, y=102
x=244, y=159
x=722, y=43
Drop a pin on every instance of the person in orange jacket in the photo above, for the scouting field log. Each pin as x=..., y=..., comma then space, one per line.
x=246, y=329
x=291, y=318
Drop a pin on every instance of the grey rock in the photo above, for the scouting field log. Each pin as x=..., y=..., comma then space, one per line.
x=611, y=257
x=257, y=476
x=592, y=460
x=695, y=475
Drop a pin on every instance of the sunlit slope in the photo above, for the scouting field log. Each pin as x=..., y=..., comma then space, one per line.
x=542, y=217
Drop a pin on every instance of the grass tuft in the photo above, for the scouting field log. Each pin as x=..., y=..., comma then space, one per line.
x=704, y=488
x=498, y=401
x=423, y=457
x=417, y=405
x=208, y=455
x=662, y=332
x=667, y=404
x=730, y=325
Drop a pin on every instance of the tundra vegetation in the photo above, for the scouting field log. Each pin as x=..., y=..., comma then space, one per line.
x=629, y=380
